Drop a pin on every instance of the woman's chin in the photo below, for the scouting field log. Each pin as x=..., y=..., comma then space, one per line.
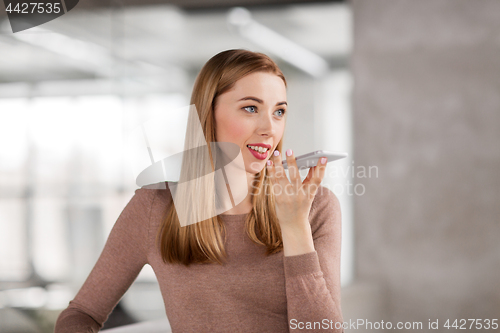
x=255, y=167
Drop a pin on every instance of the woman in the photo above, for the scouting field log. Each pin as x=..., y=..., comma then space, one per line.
x=270, y=263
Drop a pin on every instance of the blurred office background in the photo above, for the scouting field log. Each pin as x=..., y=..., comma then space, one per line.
x=409, y=88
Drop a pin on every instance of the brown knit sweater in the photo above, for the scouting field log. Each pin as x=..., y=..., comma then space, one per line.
x=252, y=292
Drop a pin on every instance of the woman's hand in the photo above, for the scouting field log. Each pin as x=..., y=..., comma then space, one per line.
x=293, y=197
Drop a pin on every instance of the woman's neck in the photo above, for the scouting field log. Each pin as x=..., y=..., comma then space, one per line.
x=245, y=206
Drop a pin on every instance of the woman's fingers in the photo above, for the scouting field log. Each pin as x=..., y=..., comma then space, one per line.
x=319, y=171
x=279, y=171
x=316, y=173
x=310, y=175
x=293, y=170
x=293, y=198
x=278, y=176
x=322, y=169
x=270, y=170
x=273, y=169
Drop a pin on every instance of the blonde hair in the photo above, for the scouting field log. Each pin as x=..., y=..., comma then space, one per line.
x=203, y=242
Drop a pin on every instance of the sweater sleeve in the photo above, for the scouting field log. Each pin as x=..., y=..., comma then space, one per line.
x=313, y=279
x=119, y=264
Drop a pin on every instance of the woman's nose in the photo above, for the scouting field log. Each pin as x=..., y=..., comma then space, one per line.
x=266, y=125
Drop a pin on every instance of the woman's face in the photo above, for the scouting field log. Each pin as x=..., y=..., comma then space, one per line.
x=252, y=113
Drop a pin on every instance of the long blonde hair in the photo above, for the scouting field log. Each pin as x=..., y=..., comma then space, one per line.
x=203, y=242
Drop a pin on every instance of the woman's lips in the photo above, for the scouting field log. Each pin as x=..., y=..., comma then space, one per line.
x=258, y=155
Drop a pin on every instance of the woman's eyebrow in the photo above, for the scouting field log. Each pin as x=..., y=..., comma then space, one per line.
x=258, y=100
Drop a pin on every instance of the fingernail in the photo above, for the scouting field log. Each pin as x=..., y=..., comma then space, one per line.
x=323, y=160
x=289, y=152
x=276, y=152
x=268, y=162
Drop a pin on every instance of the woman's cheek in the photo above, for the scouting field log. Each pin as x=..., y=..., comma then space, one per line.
x=238, y=129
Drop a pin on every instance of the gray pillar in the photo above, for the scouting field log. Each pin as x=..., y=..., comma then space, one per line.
x=426, y=107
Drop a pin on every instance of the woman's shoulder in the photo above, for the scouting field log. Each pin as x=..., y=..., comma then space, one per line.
x=157, y=196
x=156, y=186
x=161, y=188
x=325, y=207
x=324, y=196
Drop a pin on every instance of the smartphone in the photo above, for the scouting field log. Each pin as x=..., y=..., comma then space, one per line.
x=311, y=159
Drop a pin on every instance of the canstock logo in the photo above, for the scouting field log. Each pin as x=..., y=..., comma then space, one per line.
x=205, y=178
x=26, y=14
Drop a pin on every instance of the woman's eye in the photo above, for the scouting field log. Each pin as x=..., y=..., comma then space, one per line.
x=282, y=112
x=247, y=107
x=253, y=109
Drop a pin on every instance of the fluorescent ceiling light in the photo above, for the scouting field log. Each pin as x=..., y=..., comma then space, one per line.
x=241, y=20
x=94, y=58
x=88, y=56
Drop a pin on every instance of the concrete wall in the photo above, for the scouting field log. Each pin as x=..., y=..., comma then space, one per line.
x=426, y=106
